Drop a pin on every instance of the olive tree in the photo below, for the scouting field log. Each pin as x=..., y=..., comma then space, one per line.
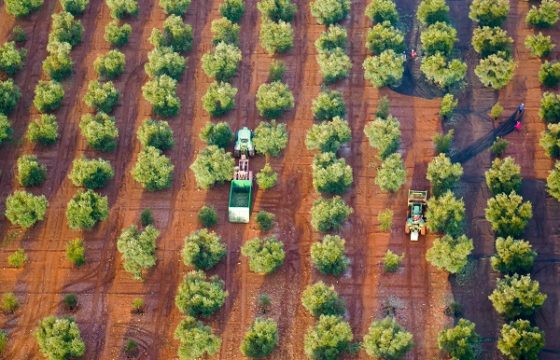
x=175, y=7
x=520, y=340
x=11, y=58
x=207, y=216
x=91, y=173
x=222, y=61
x=86, y=209
x=270, y=138
x=504, y=176
x=384, y=36
x=224, y=30
x=384, y=135
x=450, y=253
x=550, y=108
x=495, y=71
x=232, y=10
x=328, y=255
x=100, y=131
x=460, y=341
x=48, y=96
x=443, y=174
x=265, y=255
x=110, y=65
x=446, y=214
x=320, y=299
x=391, y=175
x=219, y=134
x=175, y=34
x=153, y=170
x=76, y=252
x=387, y=339
x=161, y=92
x=212, y=165
x=65, y=28
x=438, y=38
x=165, y=61
x=200, y=295
x=267, y=177
x=508, y=214
x=196, y=340
x=30, y=172
x=517, y=296
x=9, y=96
x=443, y=72
x=334, y=65
x=328, y=136
x=6, y=130
x=328, y=105
x=219, y=98
x=487, y=40
x=329, y=214
x=117, y=34
x=277, y=10
x=539, y=45
x=43, y=130
x=382, y=10
x=513, y=256
x=273, y=99
x=553, y=182
x=156, y=133
x=276, y=37
x=59, y=338
x=138, y=249
x=330, y=11
x=336, y=36
x=261, y=338
x=549, y=74
x=58, y=64
x=74, y=7
x=102, y=96
x=331, y=175
x=203, y=249
x=329, y=338
x=489, y=12
x=121, y=9
x=385, y=69
x=25, y=209
x=546, y=15
x=448, y=105
x=22, y=8
x=432, y=11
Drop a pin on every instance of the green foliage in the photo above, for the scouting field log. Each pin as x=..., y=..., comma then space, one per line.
x=74, y=7
x=22, y=8
x=270, y=138
x=138, y=249
x=488, y=40
x=117, y=34
x=392, y=261
x=265, y=220
x=442, y=72
x=331, y=175
x=513, y=256
x=549, y=74
x=391, y=175
x=11, y=58
x=76, y=252
x=153, y=170
x=499, y=146
x=328, y=105
x=165, y=61
x=273, y=99
x=9, y=96
x=91, y=173
x=517, y=296
x=508, y=214
x=20, y=36
x=438, y=38
x=496, y=111
x=70, y=301
x=100, y=131
x=102, y=96
x=110, y=65
x=329, y=12
x=175, y=34
x=385, y=218
x=59, y=338
x=449, y=253
x=212, y=165
x=5, y=129
x=264, y=302
x=384, y=135
x=146, y=217
x=156, y=133
x=265, y=255
x=495, y=71
x=386, y=339
x=222, y=62
x=203, y=249
x=43, y=130
x=131, y=348
x=383, y=108
x=261, y=339
x=219, y=98
x=3, y=341
x=382, y=10
x=17, y=259
x=200, y=295
x=219, y=134
x=550, y=108
x=196, y=340
x=385, y=69
x=489, y=12
x=334, y=37
x=553, y=182
x=329, y=338
x=30, y=172
x=329, y=257
x=520, y=340
x=442, y=142
x=504, y=176
x=65, y=28
x=539, y=45
x=175, y=7
x=550, y=140
x=459, y=342
x=224, y=30
x=334, y=65
x=328, y=136
x=546, y=15
x=448, y=105
x=232, y=10
x=138, y=305
x=48, y=96
x=443, y=174
x=161, y=92
x=384, y=36
x=267, y=177
x=329, y=214
x=207, y=216
x=9, y=303
x=446, y=214
x=276, y=71
x=86, y=209
x=320, y=299
x=277, y=10
x=25, y=209
x=432, y=11
x=276, y=37
x=58, y=63
x=121, y=9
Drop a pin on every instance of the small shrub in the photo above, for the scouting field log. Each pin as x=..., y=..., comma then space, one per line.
x=100, y=131
x=265, y=255
x=18, y=35
x=448, y=105
x=276, y=71
x=320, y=299
x=10, y=303
x=232, y=10
x=328, y=105
x=138, y=249
x=385, y=218
x=264, y=302
x=383, y=108
x=539, y=45
x=496, y=111
x=392, y=261
x=146, y=217
x=131, y=347
x=329, y=12
x=76, y=252
x=273, y=99
x=91, y=173
x=265, y=220
x=212, y=165
x=161, y=92
x=499, y=146
x=117, y=34
x=102, y=96
x=329, y=257
x=219, y=98
x=391, y=175
x=267, y=177
x=386, y=339
x=25, y=209
x=203, y=249
x=30, y=172
x=276, y=37
x=261, y=339
x=222, y=62
x=86, y=209
x=17, y=259
x=329, y=214
x=200, y=295
x=137, y=305
x=3, y=341
x=110, y=65
x=443, y=142
x=70, y=301
x=207, y=216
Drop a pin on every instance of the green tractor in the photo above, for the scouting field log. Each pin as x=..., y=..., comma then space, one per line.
x=244, y=142
x=416, y=219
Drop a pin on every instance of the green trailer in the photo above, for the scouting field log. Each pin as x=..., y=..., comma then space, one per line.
x=241, y=193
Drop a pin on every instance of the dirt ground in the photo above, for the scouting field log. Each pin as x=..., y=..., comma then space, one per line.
x=418, y=291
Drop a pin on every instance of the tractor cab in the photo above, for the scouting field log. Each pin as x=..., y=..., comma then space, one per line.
x=244, y=142
x=416, y=219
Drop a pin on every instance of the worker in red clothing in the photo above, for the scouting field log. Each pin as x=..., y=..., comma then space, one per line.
x=520, y=109
x=413, y=54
